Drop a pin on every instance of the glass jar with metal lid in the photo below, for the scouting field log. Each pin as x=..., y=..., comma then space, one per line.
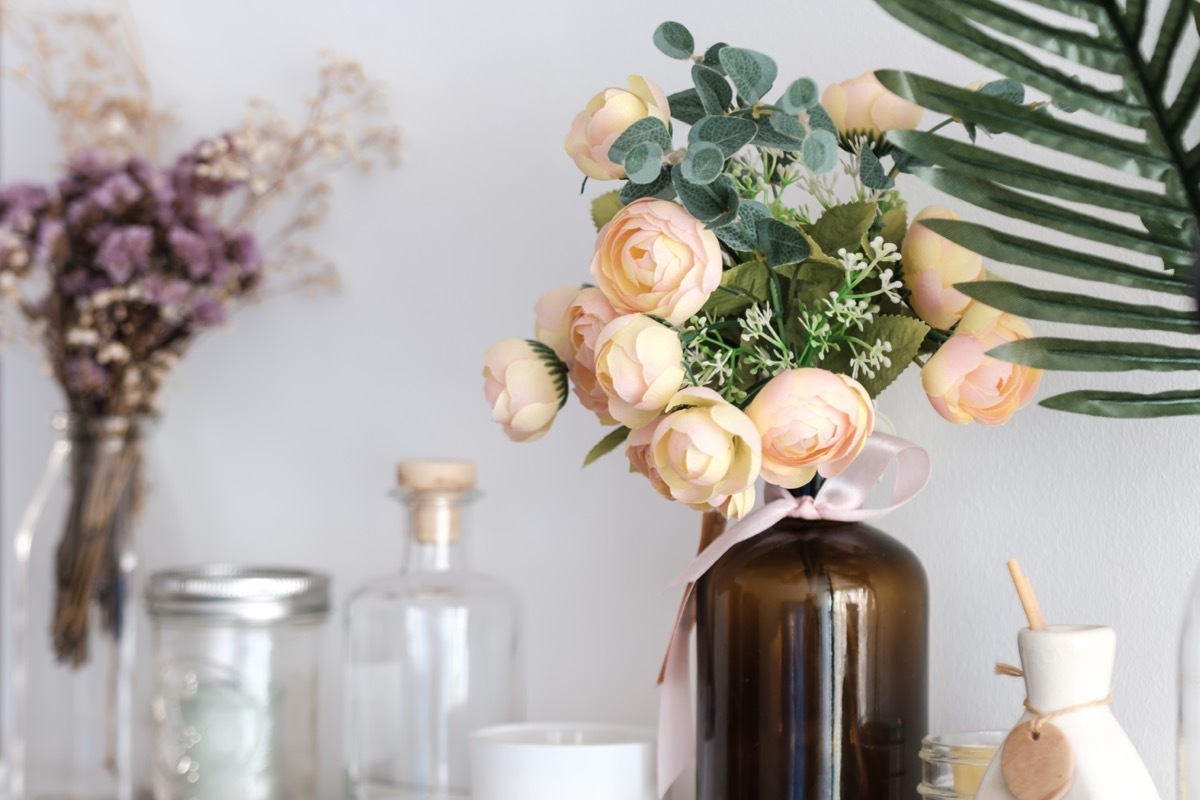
x=236, y=682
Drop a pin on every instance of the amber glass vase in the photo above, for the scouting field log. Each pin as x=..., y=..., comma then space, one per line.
x=812, y=667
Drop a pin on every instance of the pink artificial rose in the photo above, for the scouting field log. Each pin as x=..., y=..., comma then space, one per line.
x=864, y=106
x=739, y=505
x=585, y=318
x=639, y=364
x=550, y=326
x=606, y=117
x=932, y=265
x=654, y=257
x=637, y=450
x=705, y=449
x=811, y=420
x=965, y=384
x=525, y=385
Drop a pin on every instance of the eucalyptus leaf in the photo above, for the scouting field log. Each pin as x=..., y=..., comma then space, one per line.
x=605, y=207
x=674, y=40
x=871, y=171
x=782, y=243
x=712, y=57
x=788, y=125
x=703, y=163
x=643, y=162
x=843, y=227
x=751, y=72
x=819, y=119
x=728, y=133
x=769, y=137
x=742, y=233
x=611, y=442
x=708, y=203
x=686, y=106
x=647, y=129
x=801, y=94
x=660, y=187
x=820, y=151
x=1005, y=89
x=715, y=94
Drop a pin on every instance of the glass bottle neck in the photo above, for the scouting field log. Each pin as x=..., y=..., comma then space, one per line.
x=437, y=528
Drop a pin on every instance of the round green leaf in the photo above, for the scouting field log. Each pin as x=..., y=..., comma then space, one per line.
x=728, y=133
x=801, y=94
x=644, y=162
x=703, y=163
x=751, y=72
x=788, y=125
x=674, y=40
x=820, y=151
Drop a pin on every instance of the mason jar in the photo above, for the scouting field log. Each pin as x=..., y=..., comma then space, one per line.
x=236, y=652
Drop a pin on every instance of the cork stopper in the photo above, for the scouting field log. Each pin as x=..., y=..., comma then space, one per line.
x=434, y=486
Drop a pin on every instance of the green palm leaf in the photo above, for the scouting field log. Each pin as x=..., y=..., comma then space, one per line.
x=1123, y=47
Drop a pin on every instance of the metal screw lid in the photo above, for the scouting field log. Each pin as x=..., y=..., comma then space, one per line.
x=240, y=594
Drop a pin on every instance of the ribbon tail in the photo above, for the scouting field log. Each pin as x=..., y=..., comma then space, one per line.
x=676, y=732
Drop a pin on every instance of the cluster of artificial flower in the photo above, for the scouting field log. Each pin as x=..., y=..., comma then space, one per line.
x=733, y=334
x=119, y=266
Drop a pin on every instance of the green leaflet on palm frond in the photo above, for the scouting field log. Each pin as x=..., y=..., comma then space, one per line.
x=1161, y=220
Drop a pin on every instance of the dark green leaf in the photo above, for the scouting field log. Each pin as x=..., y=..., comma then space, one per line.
x=605, y=207
x=1077, y=355
x=1081, y=309
x=1006, y=89
x=812, y=281
x=611, y=442
x=647, y=129
x=769, y=137
x=709, y=203
x=643, y=162
x=661, y=187
x=871, y=171
x=782, y=243
x=742, y=234
x=741, y=287
x=712, y=57
x=728, y=133
x=1126, y=405
x=751, y=72
x=674, y=40
x=820, y=151
x=686, y=106
x=819, y=119
x=714, y=91
x=789, y=126
x=702, y=163
x=802, y=93
x=843, y=227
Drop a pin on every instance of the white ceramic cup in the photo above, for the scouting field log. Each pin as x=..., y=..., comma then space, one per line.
x=563, y=761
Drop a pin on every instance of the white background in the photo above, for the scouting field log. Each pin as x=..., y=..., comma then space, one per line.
x=281, y=433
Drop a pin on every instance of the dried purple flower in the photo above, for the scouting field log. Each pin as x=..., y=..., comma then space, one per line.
x=86, y=377
x=52, y=244
x=125, y=250
x=160, y=290
x=209, y=312
x=117, y=193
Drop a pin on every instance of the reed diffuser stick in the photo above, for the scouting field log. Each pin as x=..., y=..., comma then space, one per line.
x=1029, y=601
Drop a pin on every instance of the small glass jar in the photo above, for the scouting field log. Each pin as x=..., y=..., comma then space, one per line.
x=953, y=764
x=236, y=682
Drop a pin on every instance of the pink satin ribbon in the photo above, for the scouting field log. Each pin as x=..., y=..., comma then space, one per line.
x=841, y=499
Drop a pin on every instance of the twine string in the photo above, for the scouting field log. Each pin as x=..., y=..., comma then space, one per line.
x=1041, y=717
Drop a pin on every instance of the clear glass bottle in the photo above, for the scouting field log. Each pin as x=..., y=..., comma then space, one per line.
x=432, y=652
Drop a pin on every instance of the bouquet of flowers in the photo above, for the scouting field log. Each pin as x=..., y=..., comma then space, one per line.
x=755, y=287
x=113, y=270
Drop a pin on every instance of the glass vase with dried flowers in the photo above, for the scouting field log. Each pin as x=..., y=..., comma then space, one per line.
x=112, y=272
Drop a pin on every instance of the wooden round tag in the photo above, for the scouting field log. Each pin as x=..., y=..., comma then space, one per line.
x=1037, y=766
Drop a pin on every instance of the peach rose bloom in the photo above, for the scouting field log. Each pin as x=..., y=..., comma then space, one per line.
x=739, y=505
x=932, y=265
x=605, y=117
x=525, y=384
x=637, y=450
x=656, y=258
x=707, y=451
x=864, y=105
x=811, y=420
x=639, y=364
x=585, y=318
x=965, y=384
x=550, y=326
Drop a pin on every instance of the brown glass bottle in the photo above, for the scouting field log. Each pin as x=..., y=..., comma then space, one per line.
x=812, y=667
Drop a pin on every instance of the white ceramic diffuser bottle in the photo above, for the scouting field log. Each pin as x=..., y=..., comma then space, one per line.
x=1067, y=745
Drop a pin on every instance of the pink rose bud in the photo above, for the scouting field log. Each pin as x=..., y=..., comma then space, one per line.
x=526, y=385
x=965, y=384
x=639, y=364
x=585, y=317
x=864, y=107
x=551, y=319
x=811, y=420
x=932, y=265
x=606, y=117
x=637, y=450
x=656, y=258
x=706, y=451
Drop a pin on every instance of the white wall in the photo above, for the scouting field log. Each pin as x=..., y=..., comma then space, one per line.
x=281, y=433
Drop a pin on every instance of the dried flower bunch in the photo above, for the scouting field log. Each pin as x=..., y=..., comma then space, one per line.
x=114, y=269
x=746, y=306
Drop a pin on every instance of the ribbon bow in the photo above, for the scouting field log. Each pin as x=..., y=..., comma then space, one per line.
x=841, y=499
